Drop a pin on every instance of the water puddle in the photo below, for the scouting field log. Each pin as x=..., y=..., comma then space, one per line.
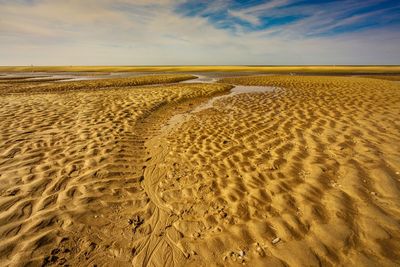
x=201, y=79
x=178, y=119
x=240, y=89
x=75, y=79
x=67, y=76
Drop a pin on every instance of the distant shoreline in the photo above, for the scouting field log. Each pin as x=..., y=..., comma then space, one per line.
x=323, y=69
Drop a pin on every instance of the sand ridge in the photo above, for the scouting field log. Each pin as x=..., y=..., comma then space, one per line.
x=23, y=84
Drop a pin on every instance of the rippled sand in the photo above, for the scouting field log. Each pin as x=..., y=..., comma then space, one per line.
x=304, y=174
x=71, y=173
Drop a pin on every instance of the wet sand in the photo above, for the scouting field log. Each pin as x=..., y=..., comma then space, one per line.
x=291, y=171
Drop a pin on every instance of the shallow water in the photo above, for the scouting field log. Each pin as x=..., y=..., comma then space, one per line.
x=74, y=79
x=178, y=119
x=67, y=76
x=241, y=89
x=202, y=79
x=79, y=76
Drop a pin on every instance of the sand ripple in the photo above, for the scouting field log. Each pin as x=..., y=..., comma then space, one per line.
x=305, y=176
x=71, y=174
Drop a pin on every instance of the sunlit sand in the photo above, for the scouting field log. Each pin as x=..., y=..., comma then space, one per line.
x=199, y=170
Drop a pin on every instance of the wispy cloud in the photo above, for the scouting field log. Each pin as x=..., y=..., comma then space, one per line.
x=244, y=16
x=306, y=17
x=199, y=32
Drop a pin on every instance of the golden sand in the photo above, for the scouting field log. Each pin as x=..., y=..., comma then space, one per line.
x=307, y=175
x=9, y=85
x=385, y=77
x=71, y=172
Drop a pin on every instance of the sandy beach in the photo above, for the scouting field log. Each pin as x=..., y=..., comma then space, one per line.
x=146, y=171
x=304, y=176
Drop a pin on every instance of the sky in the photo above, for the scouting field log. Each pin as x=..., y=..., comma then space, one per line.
x=199, y=32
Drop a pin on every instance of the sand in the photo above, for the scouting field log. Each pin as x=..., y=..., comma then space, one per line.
x=304, y=176
x=307, y=174
x=21, y=85
x=71, y=168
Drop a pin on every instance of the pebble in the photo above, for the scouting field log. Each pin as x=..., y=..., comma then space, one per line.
x=241, y=253
x=276, y=240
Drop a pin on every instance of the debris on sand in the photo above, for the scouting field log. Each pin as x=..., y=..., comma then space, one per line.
x=276, y=240
x=260, y=250
x=136, y=222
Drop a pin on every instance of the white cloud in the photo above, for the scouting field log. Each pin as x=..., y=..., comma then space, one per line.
x=245, y=16
x=268, y=6
x=125, y=32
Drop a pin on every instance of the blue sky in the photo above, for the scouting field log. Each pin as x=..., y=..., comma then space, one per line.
x=325, y=17
x=167, y=32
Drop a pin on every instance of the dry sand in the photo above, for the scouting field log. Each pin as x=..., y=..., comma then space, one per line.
x=306, y=175
x=71, y=167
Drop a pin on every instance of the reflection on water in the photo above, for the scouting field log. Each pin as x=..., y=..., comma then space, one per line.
x=74, y=79
x=201, y=79
x=66, y=76
x=70, y=76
